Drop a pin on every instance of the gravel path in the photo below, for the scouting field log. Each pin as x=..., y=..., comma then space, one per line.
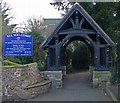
x=77, y=87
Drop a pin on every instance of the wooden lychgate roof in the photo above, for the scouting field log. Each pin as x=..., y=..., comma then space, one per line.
x=87, y=17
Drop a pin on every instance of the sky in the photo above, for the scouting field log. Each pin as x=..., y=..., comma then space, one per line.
x=24, y=9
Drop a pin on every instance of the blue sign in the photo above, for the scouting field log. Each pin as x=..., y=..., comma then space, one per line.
x=18, y=44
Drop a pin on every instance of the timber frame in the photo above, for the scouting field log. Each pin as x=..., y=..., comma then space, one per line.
x=77, y=24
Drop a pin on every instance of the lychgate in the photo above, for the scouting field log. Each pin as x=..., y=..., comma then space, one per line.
x=77, y=24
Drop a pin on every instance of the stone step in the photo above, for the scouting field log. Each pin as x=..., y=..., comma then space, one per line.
x=21, y=93
x=33, y=90
x=39, y=88
x=38, y=84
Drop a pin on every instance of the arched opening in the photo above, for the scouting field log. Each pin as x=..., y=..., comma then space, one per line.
x=77, y=57
x=77, y=54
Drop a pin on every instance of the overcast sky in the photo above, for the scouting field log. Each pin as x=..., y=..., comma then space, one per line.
x=24, y=9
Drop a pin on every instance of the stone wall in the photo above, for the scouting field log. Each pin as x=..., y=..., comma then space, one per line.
x=55, y=77
x=101, y=78
x=63, y=68
x=15, y=80
x=91, y=69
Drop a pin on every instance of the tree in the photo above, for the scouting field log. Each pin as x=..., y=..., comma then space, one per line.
x=35, y=24
x=34, y=27
x=6, y=18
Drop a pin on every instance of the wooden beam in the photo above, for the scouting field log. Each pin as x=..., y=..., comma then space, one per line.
x=48, y=59
x=98, y=51
x=71, y=20
x=77, y=31
x=52, y=46
x=107, y=57
x=102, y=45
x=81, y=22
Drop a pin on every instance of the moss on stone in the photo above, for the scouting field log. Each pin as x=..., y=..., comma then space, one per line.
x=98, y=74
x=9, y=63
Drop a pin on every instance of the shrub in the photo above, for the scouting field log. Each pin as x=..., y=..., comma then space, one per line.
x=41, y=66
x=114, y=75
x=80, y=58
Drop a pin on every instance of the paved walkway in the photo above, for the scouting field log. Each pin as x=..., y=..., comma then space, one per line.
x=77, y=87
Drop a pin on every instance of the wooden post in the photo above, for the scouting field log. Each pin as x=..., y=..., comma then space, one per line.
x=57, y=50
x=97, y=52
x=107, y=57
x=48, y=59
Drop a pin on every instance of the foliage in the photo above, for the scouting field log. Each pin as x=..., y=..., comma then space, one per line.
x=68, y=57
x=41, y=65
x=81, y=57
x=62, y=6
x=38, y=39
x=20, y=60
x=69, y=53
x=35, y=27
x=35, y=24
x=6, y=18
x=118, y=69
x=114, y=75
x=6, y=62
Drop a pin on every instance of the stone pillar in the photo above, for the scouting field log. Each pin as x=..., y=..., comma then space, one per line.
x=97, y=52
x=101, y=78
x=55, y=77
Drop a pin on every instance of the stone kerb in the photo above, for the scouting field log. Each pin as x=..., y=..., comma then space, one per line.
x=63, y=68
x=15, y=80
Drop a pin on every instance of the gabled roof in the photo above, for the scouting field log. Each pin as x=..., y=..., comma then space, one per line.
x=89, y=19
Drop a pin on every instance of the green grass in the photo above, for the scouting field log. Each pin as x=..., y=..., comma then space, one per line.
x=7, y=67
x=101, y=73
x=9, y=64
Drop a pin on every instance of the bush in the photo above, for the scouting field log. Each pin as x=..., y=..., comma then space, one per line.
x=41, y=66
x=81, y=57
x=69, y=66
x=20, y=59
x=114, y=75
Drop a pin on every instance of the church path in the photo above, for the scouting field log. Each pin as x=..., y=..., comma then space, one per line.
x=77, y=87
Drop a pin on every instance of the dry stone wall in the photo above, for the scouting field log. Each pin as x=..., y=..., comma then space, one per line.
x=15, y=80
